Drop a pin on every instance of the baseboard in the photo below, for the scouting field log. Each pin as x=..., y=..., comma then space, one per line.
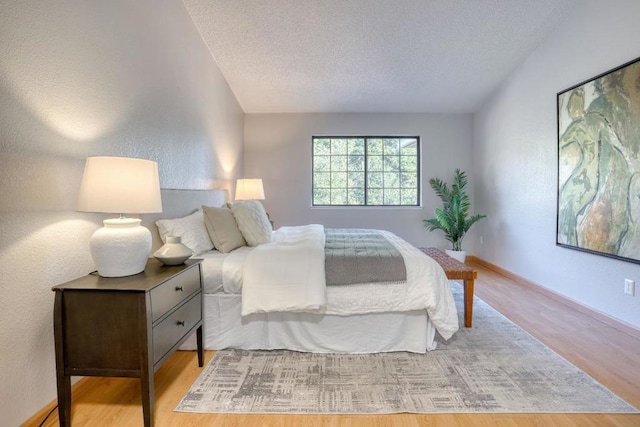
x=591, y=312
x=38, y=419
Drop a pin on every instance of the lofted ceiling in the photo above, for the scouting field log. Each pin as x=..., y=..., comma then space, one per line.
x=437, y=56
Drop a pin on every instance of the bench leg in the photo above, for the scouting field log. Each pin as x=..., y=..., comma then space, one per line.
x=468, y=302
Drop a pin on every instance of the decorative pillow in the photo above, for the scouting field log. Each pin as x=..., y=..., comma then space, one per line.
x=252, y=221
x=223, y=228
x=192, y=230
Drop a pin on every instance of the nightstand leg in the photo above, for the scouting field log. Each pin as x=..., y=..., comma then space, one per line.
x=200, y=347
x=64, y=400
x=147, y=398
x=63, y=381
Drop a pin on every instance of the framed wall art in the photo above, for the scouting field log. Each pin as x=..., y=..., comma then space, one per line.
x=599, y=164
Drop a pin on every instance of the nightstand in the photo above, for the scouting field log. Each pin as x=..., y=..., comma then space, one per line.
x=125, y=326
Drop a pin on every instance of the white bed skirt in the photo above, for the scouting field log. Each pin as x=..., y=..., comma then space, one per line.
x=224, y=327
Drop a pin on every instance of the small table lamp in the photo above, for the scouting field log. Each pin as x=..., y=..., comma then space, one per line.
x=249, y=189
x=124, y=186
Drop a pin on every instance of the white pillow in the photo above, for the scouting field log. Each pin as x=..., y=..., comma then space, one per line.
x=192, y=230
x=252, y=221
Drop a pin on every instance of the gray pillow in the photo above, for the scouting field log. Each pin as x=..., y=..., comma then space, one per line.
x=222, y=228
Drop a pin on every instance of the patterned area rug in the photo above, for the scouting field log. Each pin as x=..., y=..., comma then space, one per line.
x=493, y=367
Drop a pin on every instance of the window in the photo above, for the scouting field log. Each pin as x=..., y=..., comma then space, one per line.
x=366, y=171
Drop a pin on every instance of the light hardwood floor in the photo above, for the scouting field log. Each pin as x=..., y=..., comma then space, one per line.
x=609, y=355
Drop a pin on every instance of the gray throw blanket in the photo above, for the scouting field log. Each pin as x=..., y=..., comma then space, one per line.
x=354, y=255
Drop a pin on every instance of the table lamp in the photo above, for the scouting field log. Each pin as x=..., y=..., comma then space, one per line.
x=124, y=186
x=249, y=189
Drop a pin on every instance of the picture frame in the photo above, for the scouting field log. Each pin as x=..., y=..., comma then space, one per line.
x=598, y=205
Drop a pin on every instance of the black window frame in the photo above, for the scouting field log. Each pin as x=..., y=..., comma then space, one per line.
x=366, y=187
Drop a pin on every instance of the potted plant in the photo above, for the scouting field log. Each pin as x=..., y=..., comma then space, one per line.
x=454, y=217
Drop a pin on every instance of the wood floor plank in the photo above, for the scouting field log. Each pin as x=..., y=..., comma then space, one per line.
x=602, y=351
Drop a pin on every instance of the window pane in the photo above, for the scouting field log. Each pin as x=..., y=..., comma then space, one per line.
x=356, y=180
x=408, y=180
x=391, y=146
x=409, y=163
x=409, y=197
x=391, y=180
x=374, y=164
x=374, y=196
x=375, y=180
x=374, y=147
x=321, y=197
x=339, y=196
x=338, y=179
x=391, y=196
x=339, y=146
x=356, y=196
x=322, y=180
x=356, y=163
x=321, y=146
x=338, y=163
x=409, y=147
x=391, y=163
x=322, y=163
x=355, y=146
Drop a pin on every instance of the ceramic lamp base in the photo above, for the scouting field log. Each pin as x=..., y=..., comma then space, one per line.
x=121, y=247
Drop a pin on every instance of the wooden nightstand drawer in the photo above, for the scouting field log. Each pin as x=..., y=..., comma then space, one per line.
x=173, y=291
x=168, y=332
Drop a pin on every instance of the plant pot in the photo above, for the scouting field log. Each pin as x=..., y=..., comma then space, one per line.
x=459, y=255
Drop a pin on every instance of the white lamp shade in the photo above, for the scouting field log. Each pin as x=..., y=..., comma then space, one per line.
x=249, y=189
x=120, y=185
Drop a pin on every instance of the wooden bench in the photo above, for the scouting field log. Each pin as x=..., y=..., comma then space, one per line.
x=456, y=270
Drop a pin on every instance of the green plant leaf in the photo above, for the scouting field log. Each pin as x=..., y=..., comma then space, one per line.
x=453, y=218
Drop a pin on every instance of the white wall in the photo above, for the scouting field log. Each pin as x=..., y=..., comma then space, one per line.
x=515, y=153
x=278, y=150
x=78, y=78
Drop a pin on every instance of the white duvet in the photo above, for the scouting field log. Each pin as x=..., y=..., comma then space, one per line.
x=288, y=275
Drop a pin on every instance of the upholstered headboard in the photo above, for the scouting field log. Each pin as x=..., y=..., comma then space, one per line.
x=179, y=203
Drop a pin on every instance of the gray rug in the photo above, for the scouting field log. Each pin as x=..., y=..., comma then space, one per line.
x=493, y=367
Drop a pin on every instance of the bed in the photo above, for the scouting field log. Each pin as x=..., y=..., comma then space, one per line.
x=359, y=318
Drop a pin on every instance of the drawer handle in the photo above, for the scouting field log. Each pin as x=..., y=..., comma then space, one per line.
x=180, y=323
x=179, y=288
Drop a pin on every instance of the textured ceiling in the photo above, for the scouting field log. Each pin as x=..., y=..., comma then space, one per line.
x=371, y=55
